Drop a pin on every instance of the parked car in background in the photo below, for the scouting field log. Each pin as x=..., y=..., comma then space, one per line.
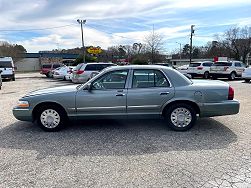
x=246, y=75
x=47, y=69
x=165, y=64
x=200, y=69
x=61, y=72
x=68, y=76
x=227, y=69
x=85, y=71
x=0, y=80
x=141, y=91
x=183, y=69
x=7, y=68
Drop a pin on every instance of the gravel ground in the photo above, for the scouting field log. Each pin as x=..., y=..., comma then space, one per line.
x=128, y=153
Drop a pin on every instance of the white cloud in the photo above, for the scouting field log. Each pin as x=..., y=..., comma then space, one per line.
x=166, y=14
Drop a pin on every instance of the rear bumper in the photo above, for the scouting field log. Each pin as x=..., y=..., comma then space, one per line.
x=228, y=107
x=7, y=76
x=23, y=114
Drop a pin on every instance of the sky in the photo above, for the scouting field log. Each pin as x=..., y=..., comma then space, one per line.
x=52, y=24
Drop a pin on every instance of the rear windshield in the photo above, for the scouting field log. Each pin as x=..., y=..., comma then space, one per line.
x=46, y=66
x=194, y=64
x=91, y=67
x=78, y=66
x=222, y=64
x=5, y=64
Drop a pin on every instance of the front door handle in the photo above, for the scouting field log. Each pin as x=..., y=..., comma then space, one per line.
x=120, y=95
x=164, y=93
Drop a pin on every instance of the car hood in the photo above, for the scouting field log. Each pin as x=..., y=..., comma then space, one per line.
x=54, y=90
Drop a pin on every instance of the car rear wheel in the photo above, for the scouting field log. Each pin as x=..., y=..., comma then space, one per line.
x=51, y=118
x=206, y=75
x=13, y=78
x=180, y=117
x=247, y=80
x=232, y=76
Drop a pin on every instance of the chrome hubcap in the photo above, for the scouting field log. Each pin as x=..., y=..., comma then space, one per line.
x=181, y=117
x=50, y=118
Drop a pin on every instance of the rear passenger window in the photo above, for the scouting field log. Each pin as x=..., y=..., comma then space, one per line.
x=237, y=64
x=149, y=78
x=207, y=64
x=46, y=66
x=91, y=67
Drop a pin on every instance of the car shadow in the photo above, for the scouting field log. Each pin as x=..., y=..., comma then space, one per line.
x=115, y=138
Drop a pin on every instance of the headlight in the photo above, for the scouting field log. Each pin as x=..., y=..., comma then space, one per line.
x=23, y=104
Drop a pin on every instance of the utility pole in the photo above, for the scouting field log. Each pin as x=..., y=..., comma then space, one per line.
x=191, y=42
x=81, y=22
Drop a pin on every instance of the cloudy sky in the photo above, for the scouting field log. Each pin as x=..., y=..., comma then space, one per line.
x=51, y=24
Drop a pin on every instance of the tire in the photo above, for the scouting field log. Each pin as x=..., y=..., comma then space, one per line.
x=247, y=80
x=232, y=76
x=47, y=75
x=13, y=78
x=54, y=114
x=206, y=75
x=182, y=110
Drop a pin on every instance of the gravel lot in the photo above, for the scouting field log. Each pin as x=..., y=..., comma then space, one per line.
x=129, y=153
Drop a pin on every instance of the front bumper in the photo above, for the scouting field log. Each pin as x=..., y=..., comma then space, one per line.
x=228, y=107
x=23, y=114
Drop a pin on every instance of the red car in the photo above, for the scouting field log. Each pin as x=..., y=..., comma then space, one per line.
x=48, y=68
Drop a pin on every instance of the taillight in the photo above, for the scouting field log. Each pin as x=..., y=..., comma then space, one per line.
x=199, y=68
x=79, y=72
x=230, y=93
x=225, y=68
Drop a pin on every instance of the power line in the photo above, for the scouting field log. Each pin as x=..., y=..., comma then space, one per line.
x=110, y=33
x=37, y=29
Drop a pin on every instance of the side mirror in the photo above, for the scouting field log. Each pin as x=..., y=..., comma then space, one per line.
x=89, y=86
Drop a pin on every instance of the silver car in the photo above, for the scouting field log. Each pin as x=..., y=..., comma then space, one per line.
x=143, y=91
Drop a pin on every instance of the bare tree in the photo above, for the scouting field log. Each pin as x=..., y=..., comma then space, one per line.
x=13, y=50
x=154, y=44
x=238, y=41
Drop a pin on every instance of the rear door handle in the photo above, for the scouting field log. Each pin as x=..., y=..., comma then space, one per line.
x=120, y=95
x=164, y=93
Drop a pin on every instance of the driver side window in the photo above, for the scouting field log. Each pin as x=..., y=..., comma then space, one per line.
x=111, y=80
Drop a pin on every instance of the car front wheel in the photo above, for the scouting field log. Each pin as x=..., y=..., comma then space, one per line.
x=180, y=117
x=247, y=80
x=51, y=118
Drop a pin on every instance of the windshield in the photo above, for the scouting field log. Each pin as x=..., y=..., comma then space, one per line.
x=5, y=64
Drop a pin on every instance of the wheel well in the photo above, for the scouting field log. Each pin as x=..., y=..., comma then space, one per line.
x=193, y=104
x=40, y=105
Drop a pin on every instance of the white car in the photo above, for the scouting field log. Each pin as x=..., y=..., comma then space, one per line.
x=7, y=68
x=246, y=75
x=61, y=72
x=227, y=69
x=183, y=69
x=85, y=71
x=201, y=69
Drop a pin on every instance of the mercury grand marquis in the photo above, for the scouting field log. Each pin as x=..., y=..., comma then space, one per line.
x=134, y=91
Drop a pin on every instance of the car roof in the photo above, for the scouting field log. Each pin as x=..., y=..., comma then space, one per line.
x=138, y=67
